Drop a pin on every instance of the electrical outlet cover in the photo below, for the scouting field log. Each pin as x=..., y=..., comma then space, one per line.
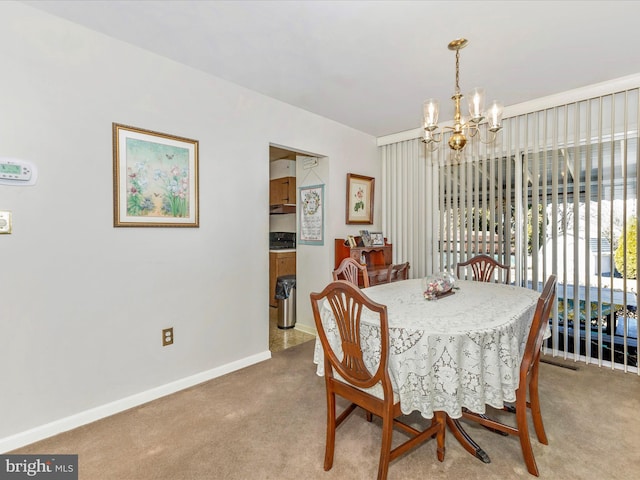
x=5, y=222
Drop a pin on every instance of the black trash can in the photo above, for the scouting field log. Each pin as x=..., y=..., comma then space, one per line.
x=286, y=296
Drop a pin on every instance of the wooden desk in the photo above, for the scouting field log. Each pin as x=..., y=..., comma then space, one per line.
x=377, y=258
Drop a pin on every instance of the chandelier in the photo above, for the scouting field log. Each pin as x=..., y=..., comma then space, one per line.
x=462, y=128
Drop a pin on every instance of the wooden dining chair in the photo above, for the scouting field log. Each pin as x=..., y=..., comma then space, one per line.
x=346, y=375
x=397, y=272
x=349, y=269
x=528, y=382
x=482, y=268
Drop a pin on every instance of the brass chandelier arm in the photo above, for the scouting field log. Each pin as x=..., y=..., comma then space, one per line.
x=471, y=129
x=432, y=146
x=493, y=135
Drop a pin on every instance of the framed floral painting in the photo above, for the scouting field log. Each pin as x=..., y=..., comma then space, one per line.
x=155, y=179
x=359, y=199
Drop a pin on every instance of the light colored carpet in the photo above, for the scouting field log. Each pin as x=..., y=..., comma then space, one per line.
x=267, y=421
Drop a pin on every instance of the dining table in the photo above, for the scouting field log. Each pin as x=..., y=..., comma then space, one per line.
x=460, y=351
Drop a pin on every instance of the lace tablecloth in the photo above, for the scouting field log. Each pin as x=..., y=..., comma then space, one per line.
x=459, y=351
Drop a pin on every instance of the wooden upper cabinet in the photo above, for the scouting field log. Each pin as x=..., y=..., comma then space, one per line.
x=282, y=191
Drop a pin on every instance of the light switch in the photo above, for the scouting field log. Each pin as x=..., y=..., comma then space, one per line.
x=5, y=222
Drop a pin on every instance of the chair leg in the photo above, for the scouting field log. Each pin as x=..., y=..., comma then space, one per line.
x=385, y=449
x=523, y=432
x=534, y=400
x=331, y=431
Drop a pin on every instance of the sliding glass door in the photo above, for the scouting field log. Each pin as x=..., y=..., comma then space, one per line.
x=557, y=194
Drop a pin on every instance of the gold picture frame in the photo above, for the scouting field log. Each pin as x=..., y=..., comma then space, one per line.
x=359, y=208
x=155, y=179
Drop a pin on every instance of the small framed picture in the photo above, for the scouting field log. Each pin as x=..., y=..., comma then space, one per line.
x=377, y=239
x=360, y=191
x=352, y=241
x=366, y=238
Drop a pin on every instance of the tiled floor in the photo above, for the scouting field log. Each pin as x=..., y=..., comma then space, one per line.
x=279, y=339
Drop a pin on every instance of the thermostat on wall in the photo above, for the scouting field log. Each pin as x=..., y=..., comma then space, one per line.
x=17, y=172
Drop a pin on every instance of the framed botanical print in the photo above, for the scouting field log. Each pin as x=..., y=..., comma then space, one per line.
x=359, y=208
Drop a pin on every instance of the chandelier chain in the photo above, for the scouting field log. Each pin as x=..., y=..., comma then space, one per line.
x=457, y=71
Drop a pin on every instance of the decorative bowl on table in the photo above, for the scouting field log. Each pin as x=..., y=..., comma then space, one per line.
x=438, y=285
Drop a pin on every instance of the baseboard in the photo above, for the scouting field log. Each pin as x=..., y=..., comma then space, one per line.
x=36, y=434
x=306, y=329
x=559, y=364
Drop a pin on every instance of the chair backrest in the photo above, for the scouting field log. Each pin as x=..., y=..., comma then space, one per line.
x=483, y=267
x=347, y=303
x=538, y=327
x=398, y=271
x=349, y=269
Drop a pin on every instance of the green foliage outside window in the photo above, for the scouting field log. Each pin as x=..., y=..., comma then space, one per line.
x=627, y=243
x=530, y=227
x=480, y=220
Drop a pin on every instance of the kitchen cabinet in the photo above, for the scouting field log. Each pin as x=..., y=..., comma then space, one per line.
x=377, y=258
x=280, y=263
x=282, y=191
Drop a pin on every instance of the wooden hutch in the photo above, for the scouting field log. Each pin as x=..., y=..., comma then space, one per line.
x=378, y=258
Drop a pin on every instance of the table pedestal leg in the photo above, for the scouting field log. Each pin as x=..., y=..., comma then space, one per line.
x=465, y=440
x=440, y=417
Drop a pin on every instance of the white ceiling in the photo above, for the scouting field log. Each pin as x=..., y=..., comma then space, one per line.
x=371, y=64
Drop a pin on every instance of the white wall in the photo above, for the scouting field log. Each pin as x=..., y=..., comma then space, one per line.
x=84, y=303
x=282, y=223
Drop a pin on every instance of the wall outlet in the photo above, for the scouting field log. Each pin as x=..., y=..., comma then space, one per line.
x=167, y=336
x=5, y=222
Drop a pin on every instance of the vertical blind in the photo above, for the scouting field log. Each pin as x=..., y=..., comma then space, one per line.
x=557, y=193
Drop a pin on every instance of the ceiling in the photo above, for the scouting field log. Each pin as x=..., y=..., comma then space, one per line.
x=371, y=64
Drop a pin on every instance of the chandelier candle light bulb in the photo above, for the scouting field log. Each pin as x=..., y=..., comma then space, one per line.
x=431, y=108
x=495, y=116
x=476, y=104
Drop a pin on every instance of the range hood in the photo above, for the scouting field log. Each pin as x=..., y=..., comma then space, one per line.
x=282, y=209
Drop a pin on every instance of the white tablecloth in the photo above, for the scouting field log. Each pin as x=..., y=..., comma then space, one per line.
x=463, y=350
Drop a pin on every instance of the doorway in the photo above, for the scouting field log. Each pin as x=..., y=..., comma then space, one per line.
x=282, y=235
